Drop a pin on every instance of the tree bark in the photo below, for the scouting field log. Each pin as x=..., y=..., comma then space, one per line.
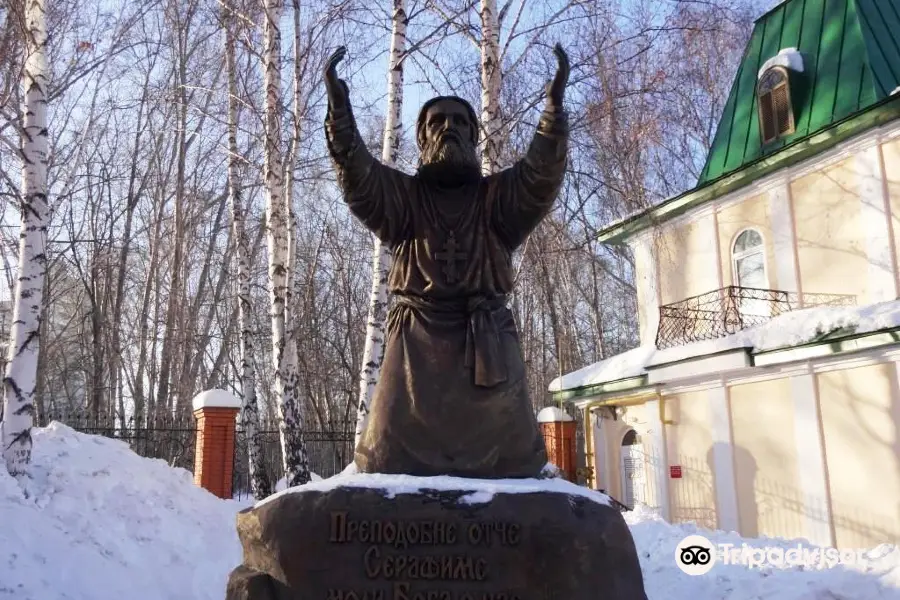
x=490, y=86
x=259, y=482
x=284, y=352
x=17, y=415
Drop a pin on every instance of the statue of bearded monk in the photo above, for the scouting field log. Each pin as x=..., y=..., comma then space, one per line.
x=452, y=397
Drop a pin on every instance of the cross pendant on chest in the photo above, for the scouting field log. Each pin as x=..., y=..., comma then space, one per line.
x=450, y=257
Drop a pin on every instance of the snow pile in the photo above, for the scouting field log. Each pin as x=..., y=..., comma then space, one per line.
x=784, y=331
x=878, y=577
x=789, y=58
x=96, y=521
x=479, y=490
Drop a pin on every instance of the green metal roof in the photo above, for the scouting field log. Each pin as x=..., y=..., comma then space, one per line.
x=851, y=56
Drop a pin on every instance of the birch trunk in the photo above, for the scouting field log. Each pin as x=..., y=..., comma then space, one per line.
x=373, y=351
x=17, y=414
x=259, y=482
x=284, y=351
x=490, y=86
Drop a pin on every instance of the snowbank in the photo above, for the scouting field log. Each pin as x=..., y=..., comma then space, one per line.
x=100, y=523
x=790, y=329
x=656, y=541
x=96, y=522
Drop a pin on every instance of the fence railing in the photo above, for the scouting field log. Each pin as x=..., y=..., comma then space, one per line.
x=174, y=440
x=730, y=309
x=329, y=453
x=171, y=439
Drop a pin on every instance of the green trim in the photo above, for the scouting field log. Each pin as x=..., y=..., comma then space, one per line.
x=746, y=350
x=826, y=347
x=610, y=387
x=874, y=116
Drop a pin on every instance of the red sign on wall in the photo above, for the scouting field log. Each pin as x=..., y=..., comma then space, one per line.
x=675, y=471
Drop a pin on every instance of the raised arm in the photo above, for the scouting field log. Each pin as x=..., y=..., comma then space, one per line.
x=528, y=189
x=378, y=195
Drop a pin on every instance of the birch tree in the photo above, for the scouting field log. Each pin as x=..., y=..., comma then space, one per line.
x=284, y=347
x=490, y=86
x=373, y=351
x=259, y=482
x=16, y=417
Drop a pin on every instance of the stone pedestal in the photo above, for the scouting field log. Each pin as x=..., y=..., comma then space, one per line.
x=354, y=543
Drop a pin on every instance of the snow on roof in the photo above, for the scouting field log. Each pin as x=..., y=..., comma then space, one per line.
x=479, y=490
x=216, y=399
x=789, y=58
x=784, y=331
x=553, y=414
x=621, y=366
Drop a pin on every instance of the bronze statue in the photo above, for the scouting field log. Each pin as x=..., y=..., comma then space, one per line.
x=452, y=398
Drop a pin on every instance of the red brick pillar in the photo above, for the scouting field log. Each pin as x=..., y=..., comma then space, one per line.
x=558, y=429
x=215, y=411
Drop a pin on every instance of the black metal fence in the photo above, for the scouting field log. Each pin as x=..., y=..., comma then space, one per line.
x=329, y=453
x=174, y=439
x=728, y=310
x=171, y=439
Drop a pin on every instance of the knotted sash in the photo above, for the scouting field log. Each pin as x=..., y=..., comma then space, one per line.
x=484, y=353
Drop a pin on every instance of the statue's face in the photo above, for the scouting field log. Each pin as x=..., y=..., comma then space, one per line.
x=448, y=120
x=448, y=152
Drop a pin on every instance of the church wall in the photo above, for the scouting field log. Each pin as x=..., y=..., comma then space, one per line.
x=752, y=212
x=861, y=428
x=693, y=496
x=766, y=473
x=643, y=418
x=891, y=157
x=830, y=238
x=646, y=286
x=687, y=259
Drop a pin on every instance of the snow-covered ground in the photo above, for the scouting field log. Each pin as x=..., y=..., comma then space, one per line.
x=97, y=522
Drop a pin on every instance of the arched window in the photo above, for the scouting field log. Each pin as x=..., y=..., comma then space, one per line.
x=776, y=115
x=748, y=256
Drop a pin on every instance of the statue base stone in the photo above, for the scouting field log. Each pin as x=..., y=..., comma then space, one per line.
x=377, y=537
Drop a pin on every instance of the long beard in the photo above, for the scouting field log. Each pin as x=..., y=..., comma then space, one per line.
x=450, y=163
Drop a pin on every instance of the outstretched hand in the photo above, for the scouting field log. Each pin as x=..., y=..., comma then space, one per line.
x=556, y=89
x=335, y=87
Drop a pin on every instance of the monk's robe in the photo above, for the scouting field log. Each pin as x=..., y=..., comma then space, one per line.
x=452, y=398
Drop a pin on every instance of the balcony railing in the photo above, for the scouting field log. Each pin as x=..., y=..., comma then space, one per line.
x=728, y=310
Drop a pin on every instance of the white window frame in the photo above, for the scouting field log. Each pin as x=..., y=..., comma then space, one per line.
x=735, y=276
x=736, y=256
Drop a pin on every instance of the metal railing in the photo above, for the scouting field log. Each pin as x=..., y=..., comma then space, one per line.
x=730, y=309
x=167, y=438
x=329, y=451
